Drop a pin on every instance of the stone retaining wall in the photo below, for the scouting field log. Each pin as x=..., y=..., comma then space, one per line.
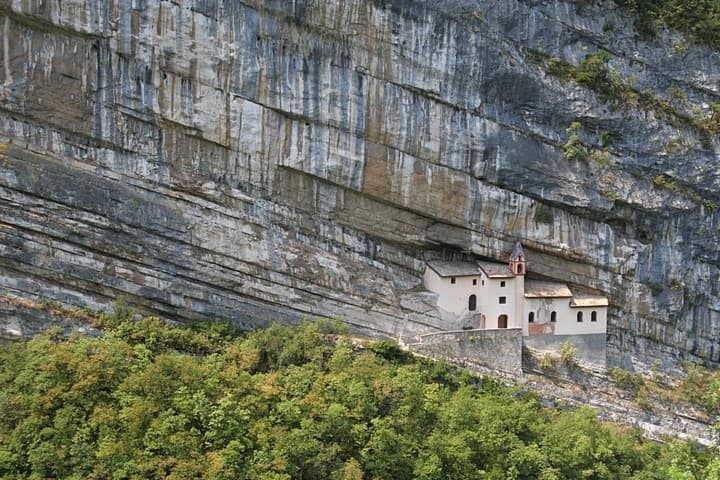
x=498, y=349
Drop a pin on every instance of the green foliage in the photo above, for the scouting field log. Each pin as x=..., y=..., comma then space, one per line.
x=626, y=379
x=601, y=157
x=122, y=312
x=677, y=94
x=547, y=362
x=663, y=182
x=675, y=145
x=595, y=73
x=544, y=215
x=701, y=387
x=612, y=196
x=608, y=138
x=709, y=205
x=332, y=326
x=699, y=19
x=711, y=123
x=574, y=148
x=151, y=400
x=568, y=354
x=391, y=351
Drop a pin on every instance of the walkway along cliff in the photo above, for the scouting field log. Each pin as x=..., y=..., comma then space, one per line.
x=269, y=161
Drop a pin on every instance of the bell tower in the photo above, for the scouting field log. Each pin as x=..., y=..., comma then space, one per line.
x=518, y=267
x=517, y=263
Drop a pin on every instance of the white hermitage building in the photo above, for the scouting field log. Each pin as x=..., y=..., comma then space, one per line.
x=490, y=295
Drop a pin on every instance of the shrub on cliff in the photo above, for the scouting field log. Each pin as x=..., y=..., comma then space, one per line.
x=699, y=19
x=574, y=148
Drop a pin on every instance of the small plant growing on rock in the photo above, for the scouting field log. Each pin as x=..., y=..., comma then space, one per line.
x=626, y=379
x=711, y=399
x=715, y=117
x=675, y=145
x=607, y=138
x=574, y=148
x=663, y=182
x=676, y=94
x=332, y=326
x=644, y=401
x=544, y=215
x=612, y=196
x=547, y=362
x=568, y=354
x=594, y=72
x=601, y=157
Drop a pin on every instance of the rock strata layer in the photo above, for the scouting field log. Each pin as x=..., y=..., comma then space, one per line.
x=269, y=161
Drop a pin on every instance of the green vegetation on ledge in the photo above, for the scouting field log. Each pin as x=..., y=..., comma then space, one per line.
x=699, y=19
x=150, y=400
x=700, y=388
x=595, y=74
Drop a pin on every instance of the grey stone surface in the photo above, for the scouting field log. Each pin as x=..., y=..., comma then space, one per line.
x=18, y=322
x=589, y=348
x=269, y=161
x=496, y=349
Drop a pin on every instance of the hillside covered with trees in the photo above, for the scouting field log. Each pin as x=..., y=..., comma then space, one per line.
x=151, y=400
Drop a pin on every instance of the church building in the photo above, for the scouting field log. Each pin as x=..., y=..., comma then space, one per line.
x=489, y=295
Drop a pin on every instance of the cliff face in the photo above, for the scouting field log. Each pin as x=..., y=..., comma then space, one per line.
x=273, y=160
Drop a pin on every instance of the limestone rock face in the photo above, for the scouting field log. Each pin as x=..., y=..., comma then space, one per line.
x=270, y=160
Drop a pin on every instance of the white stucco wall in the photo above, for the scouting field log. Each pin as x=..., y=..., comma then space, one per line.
x=453, y=297
x=587, y=326
x=567, y=323
x=490, y=302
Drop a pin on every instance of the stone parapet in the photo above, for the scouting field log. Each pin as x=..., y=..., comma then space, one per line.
x=499, y=349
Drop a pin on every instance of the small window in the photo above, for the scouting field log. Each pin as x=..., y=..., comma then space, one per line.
x=472, y=303
x=474, y=281
x=579, y=317
x=452, y=280
x=593, y=316
x=531, y=317
x=553, y=316
x=502, y=283
x=482, y=282
x=503, y=300
x=520, y=269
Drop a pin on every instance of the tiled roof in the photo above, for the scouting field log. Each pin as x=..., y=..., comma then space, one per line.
x=454, y=269
x=537, y=289
x=495, y=270
x=584, y=300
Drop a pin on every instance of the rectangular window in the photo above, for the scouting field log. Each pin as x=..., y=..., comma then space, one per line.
x=474, y=281
x=452, y=280
x=503, y=300
x=483, y=283
x=502, y=283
